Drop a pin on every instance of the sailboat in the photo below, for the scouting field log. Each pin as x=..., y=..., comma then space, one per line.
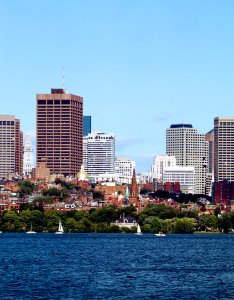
x=31, y=230
x=60, y=228
x=138, y=230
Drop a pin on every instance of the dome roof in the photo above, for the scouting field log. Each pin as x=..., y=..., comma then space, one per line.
x=82, y=175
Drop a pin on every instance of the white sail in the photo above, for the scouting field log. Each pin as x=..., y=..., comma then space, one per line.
x=31, y=230
x=138, y=230
x=60, y=228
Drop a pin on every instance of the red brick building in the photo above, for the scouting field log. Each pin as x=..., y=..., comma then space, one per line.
x=60, y=131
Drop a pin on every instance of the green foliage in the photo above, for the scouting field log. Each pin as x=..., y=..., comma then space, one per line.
x=184, y=225
x=144, y=191
x=129, y=211
x=26, y=187
x=154, y=222
x=188, y=214
x=106, y=214
x=226, y=222
x=56, y=193
x=67, y=185
x=159, y=210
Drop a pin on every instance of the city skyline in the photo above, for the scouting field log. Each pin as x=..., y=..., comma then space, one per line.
x=140, y=66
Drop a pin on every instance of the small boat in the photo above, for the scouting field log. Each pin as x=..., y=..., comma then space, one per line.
x=138, y=230
x=160, y=234
x=60, y=228
x=31, y=230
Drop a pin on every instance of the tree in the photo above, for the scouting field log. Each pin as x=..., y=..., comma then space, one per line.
x=105, y=214
x=155, y=223
x=129, y=211
x=160, y=210
x=184, y=225
x=26, y=187
x=145, y=191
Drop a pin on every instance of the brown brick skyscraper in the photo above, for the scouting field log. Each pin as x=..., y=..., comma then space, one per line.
x=11, y=146
x=60, y=131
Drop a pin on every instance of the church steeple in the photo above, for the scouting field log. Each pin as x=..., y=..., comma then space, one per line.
x=134, y=187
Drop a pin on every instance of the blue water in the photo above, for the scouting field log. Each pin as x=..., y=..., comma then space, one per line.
x=116, y=266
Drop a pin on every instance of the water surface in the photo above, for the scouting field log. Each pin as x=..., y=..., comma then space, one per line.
x=116, y=266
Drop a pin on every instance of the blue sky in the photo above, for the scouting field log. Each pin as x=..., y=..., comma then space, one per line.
x=139, y=65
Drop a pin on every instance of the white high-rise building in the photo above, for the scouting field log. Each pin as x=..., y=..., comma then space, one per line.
x=184, y=175
x=99, y=153
x=125, y=167
x=160, y=162
x=28, y=156
x=223, y=148
x=190, y=149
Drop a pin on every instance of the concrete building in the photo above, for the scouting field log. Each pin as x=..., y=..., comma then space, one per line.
x=87, y=125
x=160, y=162
x=223, y=148
x=27, y=156
x=190, y=149
x=41, y=172
x=60, y=131
x=11, y=147
x=124, y=167
x=99, y=153
x=184, y=175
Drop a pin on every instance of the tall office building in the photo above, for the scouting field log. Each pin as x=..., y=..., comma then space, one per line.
x=160, y=162
x=11, y=146
x=223, y=148
x=28, y=156
x=124, y=167
x=86, y=125
x=59, y=131
x=99, y=153
x=190, y=149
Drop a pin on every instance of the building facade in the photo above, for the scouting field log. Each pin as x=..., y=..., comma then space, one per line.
x=159, y=163
x=60, y=131
x=184, y=175
x=87, y=125
x=190, y=149
x=11, y=147
x=223, y=148
x=27, y=156
x=99, y=153
x=125, y=167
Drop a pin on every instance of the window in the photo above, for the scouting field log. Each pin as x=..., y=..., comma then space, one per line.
x=41, y=101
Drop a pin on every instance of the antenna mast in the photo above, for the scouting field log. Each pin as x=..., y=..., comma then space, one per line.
x=63, y=82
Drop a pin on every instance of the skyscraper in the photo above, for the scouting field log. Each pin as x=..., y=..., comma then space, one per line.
x=86, y=125
x=99, y=153
x=28, y=156
x=11, y=146
x=160, y=162
x=59, y=131
x=190, y=149
x=223, y=148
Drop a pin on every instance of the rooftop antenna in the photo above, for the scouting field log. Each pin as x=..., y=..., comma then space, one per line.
x=63, y=82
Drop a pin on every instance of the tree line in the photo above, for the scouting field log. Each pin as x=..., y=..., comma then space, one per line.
x=152, y=219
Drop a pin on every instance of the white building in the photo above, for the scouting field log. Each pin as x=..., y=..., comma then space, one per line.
x=124, y=167
x=184, y=175
x=223, y=148
x=28, y=156
x=190, y=149
x=99, y=153
x=160, y=162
